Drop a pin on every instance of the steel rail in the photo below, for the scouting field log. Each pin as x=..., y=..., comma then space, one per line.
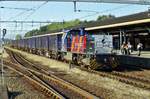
x=50, y=77
x=128, y=79
x=122, y=77
x=35, y=80
x=49, y=91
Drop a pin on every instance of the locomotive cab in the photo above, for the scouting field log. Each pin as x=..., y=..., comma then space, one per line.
x=94, y=51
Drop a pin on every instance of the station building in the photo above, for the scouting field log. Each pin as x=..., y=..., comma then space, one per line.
x=133, y=28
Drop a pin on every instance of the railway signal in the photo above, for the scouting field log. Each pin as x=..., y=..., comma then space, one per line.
x=4, y=32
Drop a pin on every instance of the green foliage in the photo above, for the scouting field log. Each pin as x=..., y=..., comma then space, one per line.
x=43, y=28
x=52, y=27
x=58, y=26
x=18, y=37
x=32, y=33
x=63, y=25
x=104, y=17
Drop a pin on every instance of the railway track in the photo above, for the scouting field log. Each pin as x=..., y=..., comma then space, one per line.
x=34, y=81
x=65, y=89
x=128, y=79
x=120, y=76
x=123, y=77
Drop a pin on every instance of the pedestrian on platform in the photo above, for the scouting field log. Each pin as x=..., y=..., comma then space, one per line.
x=139, y=48
x=129, y=46
x=123, y=48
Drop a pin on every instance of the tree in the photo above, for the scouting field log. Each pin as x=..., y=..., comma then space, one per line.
x=32, y=33
x=104, y=17
x=43, y=28
x=58, y=26
x=18, y=37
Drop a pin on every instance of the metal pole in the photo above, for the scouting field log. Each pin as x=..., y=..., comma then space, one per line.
x=1, y=56
x=2, y=63
x=120, y=38
x=2, y=48
x=2, y=68
x=75, y=6
x=124, y=34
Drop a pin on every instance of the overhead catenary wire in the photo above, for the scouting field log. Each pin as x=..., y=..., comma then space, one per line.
x=19, y=14
x=33, y=11
x=37, y=8
x=95, y=12
x=20, y=24
x=28, y=21
x=100, y=12
x=87, y=11
x=27, y=9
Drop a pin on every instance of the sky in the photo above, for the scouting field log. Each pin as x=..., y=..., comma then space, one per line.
x=57, y=12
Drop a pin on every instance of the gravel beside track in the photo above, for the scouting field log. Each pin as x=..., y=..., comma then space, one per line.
x=19, y=88
x=63, y=88
x=142, y=73
x=102, y=86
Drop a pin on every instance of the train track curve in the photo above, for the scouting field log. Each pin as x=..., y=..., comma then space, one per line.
x=65, y=89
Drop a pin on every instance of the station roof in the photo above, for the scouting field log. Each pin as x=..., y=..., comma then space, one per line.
x=134, y=19
x=138, y=18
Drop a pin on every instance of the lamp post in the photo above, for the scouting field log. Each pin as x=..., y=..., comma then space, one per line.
x=2, y=51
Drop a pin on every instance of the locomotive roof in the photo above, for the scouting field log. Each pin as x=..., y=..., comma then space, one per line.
x=44, y=35
x=138, y=18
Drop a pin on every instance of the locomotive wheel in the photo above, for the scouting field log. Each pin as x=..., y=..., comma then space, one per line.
x=75, y=59
x=59, y=57
x=114, y=62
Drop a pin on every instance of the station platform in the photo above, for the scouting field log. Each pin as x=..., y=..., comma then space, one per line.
x=144, y=54
x=3, y=92
x=133, y=59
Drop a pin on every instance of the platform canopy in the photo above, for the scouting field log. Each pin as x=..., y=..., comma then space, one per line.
x=141, y=2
